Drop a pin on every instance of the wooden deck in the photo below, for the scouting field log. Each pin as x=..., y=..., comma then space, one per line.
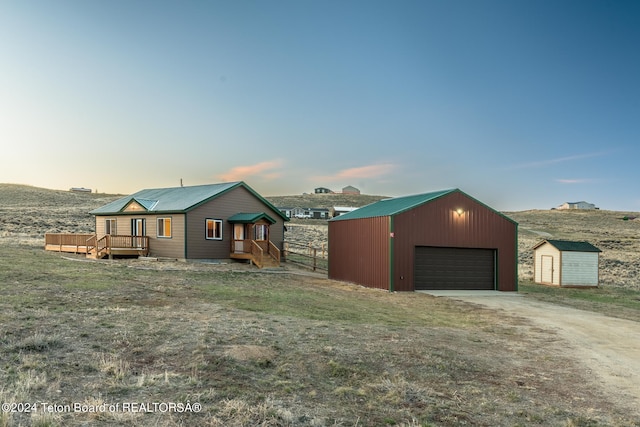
x=261, y=253
x=89, y=244
x=67, y=242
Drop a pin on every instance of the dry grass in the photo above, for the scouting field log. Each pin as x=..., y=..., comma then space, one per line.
x=618, y=239
x=257, y=348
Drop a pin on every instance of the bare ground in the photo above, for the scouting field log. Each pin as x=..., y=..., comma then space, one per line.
x=609, y=348
x=563, y=363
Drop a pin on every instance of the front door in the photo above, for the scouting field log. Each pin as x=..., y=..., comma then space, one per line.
x=238, y=237
x=138, y=229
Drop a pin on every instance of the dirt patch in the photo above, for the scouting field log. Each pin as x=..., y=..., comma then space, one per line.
x=608, y=348
x=256, y=353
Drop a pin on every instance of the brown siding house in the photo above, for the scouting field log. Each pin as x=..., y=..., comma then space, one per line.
x=217, y=221
x=439, y=240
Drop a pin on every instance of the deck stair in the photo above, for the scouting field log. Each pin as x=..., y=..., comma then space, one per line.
x=262, y=254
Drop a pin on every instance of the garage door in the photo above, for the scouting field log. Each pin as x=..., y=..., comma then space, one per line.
x=453, y=268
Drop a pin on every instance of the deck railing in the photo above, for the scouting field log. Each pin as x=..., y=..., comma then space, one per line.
x=90, y=244
x=110, y=242
x=64, y=242
x=66, y=239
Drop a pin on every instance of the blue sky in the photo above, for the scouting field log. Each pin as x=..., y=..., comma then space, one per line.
x=523, y=104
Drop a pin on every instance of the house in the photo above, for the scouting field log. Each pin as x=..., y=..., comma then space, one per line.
x=323, y=190
x=576, y=205
x=566, y=263
x=438, y=240
x=309, y=213
x=350, y=190
x=218, y=221
x=339, y=210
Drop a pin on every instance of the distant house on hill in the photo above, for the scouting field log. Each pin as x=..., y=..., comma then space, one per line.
x=80, y=190
x=323, y=190
x=305, y=213
x=577, y=205
x=340, y=210
x=349, y=189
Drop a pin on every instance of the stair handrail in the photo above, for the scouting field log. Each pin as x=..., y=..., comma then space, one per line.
x=257, y=253
x=274, y=251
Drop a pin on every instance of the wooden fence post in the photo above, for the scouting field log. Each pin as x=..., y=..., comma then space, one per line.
x=315, y=258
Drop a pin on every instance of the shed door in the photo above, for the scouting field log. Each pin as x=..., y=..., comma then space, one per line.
x=454, y=268
x=546, y=266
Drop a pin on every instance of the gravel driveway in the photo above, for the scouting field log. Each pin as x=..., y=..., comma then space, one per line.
x=608, y=347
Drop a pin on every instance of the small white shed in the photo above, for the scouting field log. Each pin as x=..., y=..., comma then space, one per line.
x=566, y=263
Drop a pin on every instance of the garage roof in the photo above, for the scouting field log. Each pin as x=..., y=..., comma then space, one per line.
x=394, y=206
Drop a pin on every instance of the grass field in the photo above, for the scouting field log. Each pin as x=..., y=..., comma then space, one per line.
x=122, y=340
x=255, y=348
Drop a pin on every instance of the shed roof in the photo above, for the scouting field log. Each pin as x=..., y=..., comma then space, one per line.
x=393, y=206
x=568, y=245
x=176, y=199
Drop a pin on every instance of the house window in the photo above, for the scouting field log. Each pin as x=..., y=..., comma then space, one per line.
x=214, y=229
x=109, y=226
x=261, y=232
x=164, y=227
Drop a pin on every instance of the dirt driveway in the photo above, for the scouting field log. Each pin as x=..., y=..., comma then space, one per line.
x=608, y=347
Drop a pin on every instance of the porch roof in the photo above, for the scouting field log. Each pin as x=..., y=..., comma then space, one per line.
x=250, y=218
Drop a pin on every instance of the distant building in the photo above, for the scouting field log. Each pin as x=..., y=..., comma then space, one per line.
x=577, y=205
x=349, y=189
x=305, y=213
x=80, y=190
x=566, y=263
x=323, y=190
x=339, y=210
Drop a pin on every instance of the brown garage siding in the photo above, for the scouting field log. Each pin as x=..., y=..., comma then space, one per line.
x=437, y=224
x=360, y=251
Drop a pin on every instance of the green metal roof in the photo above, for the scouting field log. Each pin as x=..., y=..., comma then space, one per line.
x=394, y=206
x=176, y=199
x=568, y=245
x=250, y=218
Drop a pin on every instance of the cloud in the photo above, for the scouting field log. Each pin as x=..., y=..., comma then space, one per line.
x=369, y=171
x=576, y=180
x=263, y=169
x=550, y=162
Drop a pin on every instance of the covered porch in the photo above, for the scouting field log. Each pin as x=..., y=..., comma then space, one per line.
x=251, y=239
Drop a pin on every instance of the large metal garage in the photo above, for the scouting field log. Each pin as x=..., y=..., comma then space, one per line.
x=439, y=240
